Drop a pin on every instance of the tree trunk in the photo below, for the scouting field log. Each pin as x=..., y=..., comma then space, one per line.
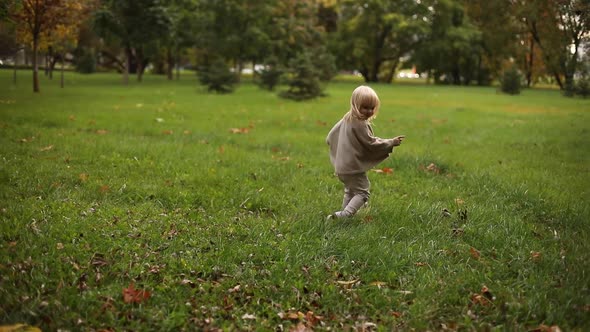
x=389, y=78
x=49, y=63
x=15, y=65
x=177, y=66
x=35, y=64
x=170, y=62
x=139, y=61
x=529, y=65
x=62, y=72
x=126, y=70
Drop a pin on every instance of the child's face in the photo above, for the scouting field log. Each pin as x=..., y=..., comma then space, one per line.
x=367, y=111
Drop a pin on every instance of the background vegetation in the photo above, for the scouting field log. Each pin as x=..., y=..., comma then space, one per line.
x=450, y=41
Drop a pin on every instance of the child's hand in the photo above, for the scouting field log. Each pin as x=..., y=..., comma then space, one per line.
x=397, y=141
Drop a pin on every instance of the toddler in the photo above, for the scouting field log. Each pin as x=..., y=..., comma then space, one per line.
x=354, y=149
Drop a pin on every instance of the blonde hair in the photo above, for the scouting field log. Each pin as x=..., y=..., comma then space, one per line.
x=363, y=96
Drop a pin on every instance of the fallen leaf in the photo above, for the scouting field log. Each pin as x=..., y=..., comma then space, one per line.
x=420, y=264
x=19, y=328
x=459, y=201
x=396, y=314
x=132, y=295
x=167, y=132
x=47, y=148
x=72, y=118
x=446, y=212
x=249, y=316
x=474, y=253
x=188, y=282
x=83, y=177
x=312, y=319
x=379, y=284
x=300, y=328
x=101, y=132
x=98, y=260
x=433, y=168
x=384, y=170
x=59, y=246
x=457, y=231
x=244, y=130
x=347, y=284
x=545, y=328
x=535, y=256
x=104, y=188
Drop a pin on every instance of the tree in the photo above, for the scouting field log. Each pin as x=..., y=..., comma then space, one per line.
x=136, y=25
x=451, y=52
x=499, y=36
x=304, y=82
x=378, y=33
x=558, y=27
x=34, y=18
x=8, y=39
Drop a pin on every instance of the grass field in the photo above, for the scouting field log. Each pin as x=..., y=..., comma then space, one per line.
x=157, y=206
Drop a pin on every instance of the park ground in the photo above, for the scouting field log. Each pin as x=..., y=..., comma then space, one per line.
x=159, y=206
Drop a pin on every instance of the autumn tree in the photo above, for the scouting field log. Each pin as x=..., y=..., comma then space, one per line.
x=35, y=18
x=558, y=27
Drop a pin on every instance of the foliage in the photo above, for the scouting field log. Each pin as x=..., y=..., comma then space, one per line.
x=583, y=87
x=270, y=74
x=511, y=81
x=137, y=26
x=45, y=24
x=86, y=61
x=304, y=79
x=217, y=77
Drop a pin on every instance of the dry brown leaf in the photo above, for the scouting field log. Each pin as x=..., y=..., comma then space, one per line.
x=83, y=177
x=474, y=253
x=347, y=284
x=101, y=132
x=244, y=130
x=535, y=256
x=379, y=284
x=545, y=328
x=132, y=295
x=47, y=148
x=19, y=328
x=384, y=170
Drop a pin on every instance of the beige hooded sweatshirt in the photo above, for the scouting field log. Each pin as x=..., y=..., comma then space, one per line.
x=353, y=147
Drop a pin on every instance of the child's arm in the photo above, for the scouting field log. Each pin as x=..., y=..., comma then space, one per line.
x=397, y=141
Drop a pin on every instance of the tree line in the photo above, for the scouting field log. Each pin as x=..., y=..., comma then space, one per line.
x=461, y=42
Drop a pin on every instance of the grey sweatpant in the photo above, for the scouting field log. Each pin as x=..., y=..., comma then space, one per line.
x=356, y=192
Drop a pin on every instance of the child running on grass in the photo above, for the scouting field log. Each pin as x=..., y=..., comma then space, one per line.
x=354, y=149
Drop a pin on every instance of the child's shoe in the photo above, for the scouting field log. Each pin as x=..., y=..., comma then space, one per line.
x=338, y=215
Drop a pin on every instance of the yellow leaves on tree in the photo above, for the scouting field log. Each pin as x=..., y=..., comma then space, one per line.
x=54, y=23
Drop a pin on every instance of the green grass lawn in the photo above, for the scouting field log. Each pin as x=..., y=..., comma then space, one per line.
x=215, y=206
